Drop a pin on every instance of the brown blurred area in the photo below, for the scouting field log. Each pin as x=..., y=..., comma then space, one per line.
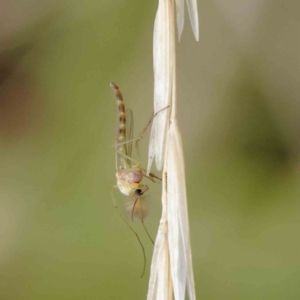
x=22, y=25
x=239, y=112
x=16, y=96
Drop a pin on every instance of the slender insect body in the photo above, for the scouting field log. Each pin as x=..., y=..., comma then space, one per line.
x=129, y=173
x=128, y=177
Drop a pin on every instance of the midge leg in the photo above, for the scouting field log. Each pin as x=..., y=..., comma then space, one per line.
x=127, y=157
x=149, y=123
x=151, y=176
x=132, y=230
x=141, y=135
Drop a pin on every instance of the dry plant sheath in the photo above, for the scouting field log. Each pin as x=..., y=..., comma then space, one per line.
x=171, y=267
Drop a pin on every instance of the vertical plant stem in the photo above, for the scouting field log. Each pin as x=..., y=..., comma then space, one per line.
x=171, y=268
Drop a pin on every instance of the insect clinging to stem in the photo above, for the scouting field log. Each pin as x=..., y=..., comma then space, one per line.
x=129, y=172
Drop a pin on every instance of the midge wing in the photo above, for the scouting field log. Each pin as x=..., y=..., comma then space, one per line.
x=129, y=134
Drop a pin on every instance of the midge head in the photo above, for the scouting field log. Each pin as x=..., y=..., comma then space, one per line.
x=141, y=190
x=138, y=192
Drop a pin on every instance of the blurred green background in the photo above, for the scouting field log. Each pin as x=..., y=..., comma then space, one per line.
x=239, y=112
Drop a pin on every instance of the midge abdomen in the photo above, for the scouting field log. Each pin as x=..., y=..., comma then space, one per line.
x=122, y=113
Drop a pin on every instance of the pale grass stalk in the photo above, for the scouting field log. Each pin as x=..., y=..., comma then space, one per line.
x=171, y=267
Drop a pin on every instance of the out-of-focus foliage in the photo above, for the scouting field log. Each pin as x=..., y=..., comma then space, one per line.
x=239, y=112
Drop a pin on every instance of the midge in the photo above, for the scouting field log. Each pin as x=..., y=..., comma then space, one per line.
x=129, y=172
x=128, y=178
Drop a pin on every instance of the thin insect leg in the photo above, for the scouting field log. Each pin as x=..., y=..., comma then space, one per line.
x=145, y=226
x=151, y=176
x=139, y=240
x=148, y=233
x=116, y=159
x=133, y=208
x=140, y=136
x=145, y=129
x=130, y=141
x=149, y=123
x=154, y=176
x=128, y=157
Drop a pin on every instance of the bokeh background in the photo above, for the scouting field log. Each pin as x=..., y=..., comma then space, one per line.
x=239, y=112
